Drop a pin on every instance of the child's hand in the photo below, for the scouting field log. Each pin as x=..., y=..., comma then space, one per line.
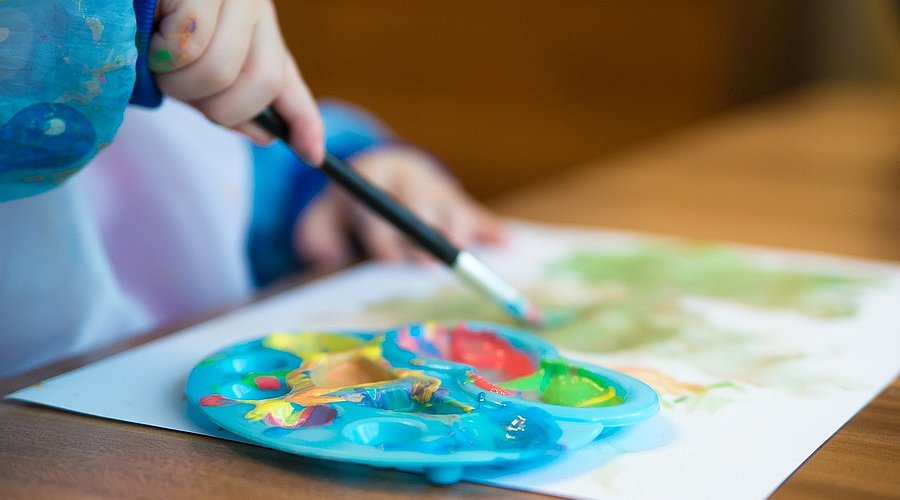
x=227, y=59
x=322, y=234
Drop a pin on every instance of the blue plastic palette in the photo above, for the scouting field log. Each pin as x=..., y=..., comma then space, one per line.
x=426, y=397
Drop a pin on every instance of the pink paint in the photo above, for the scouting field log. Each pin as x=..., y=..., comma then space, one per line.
x=215, y=400
x=487, y=351
x=273, y=421
x=267, y=382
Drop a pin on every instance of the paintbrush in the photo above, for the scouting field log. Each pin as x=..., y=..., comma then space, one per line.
x=463, y=263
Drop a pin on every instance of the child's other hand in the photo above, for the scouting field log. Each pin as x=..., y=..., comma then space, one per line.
x=227, y=59
x=322, y=235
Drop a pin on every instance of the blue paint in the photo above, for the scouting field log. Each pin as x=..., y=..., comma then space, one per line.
x=44, y=136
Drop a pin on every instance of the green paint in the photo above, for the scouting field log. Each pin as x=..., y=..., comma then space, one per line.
x=162, y=61
x=211, y=360
x=715, y=272
x=559, y=383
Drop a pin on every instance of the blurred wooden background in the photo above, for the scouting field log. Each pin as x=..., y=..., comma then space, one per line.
x=508, y=91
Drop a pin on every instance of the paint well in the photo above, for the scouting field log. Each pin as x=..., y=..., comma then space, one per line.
x=347, y=372
x=558, y=382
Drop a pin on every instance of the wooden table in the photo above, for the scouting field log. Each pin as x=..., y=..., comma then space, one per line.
x=819, y=169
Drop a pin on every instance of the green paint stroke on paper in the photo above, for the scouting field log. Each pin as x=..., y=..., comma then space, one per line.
x=716, y=272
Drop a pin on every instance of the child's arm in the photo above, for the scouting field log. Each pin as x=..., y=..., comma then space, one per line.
x=227, y=59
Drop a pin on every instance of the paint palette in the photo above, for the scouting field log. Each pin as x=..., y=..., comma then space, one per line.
x=427, y=397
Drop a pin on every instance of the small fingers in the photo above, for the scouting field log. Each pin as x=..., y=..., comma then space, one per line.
x=489, y=228
x=255, y=133
x=185, y=31
x=379, y=239
x=227, y=59
x=217, y=67
x=321, y=239
x=259, y=82
x=468, y=223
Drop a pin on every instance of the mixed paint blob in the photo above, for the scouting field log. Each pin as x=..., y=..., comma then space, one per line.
x=427, y=397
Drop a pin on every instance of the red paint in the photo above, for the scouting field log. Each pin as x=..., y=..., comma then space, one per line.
x=267, y=382
x=215, y=400
x=482, y=383
x=487, y=351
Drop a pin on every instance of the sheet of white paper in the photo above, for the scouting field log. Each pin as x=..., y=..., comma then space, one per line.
x=758, y=355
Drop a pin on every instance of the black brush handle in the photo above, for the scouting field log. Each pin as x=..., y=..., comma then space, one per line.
x=377, y=200
x=274, y=124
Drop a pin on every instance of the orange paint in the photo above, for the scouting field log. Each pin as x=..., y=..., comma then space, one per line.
x=188, y=28
x=348, y=372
